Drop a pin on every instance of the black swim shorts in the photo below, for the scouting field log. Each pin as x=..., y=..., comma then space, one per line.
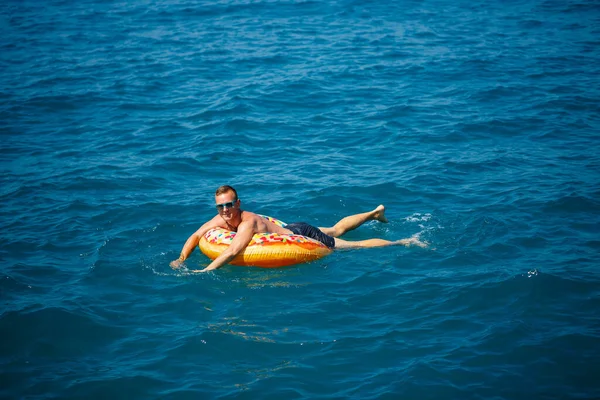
x=304, y=229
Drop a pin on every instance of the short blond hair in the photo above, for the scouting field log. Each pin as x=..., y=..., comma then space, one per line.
x=224, y=189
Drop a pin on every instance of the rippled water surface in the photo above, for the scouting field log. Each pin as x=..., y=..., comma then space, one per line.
x=476, y=124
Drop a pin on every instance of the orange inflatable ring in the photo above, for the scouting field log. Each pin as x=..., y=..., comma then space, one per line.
x=267, y=250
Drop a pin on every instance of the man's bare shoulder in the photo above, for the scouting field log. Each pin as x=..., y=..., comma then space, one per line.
x=250, y=216
x=259, y=224
x=251, y=219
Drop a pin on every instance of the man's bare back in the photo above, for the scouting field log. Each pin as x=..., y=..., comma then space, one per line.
x=258, y=223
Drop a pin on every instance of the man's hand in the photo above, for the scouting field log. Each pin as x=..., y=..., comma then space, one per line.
x=211, y=267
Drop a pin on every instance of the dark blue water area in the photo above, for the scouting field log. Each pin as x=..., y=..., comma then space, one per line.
x=477, y=124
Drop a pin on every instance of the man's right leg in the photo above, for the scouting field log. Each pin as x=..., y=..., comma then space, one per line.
x=346, y=244
x=354, y=221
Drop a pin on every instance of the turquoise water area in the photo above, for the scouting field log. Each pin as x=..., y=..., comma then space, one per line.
x=475, y=123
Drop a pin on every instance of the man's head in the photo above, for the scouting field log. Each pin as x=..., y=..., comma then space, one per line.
x=227, y=202
x=224, y=189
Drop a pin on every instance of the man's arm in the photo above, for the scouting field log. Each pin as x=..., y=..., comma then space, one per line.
x=192, y=242
x=243, y=236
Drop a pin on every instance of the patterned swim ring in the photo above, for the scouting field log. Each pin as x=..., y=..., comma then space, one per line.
x=267, y=250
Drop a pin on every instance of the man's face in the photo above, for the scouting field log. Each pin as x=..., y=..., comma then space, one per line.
x=227, y=205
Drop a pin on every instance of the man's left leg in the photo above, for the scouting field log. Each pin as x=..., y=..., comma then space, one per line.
x=354, y=221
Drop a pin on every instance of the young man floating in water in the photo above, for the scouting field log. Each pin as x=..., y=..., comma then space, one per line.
x=231, y=217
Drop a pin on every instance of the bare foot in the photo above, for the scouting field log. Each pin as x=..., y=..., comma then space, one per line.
x=413, y=241
x=379, y=214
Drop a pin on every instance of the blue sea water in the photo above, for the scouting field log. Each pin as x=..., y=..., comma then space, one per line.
x=476, y=123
